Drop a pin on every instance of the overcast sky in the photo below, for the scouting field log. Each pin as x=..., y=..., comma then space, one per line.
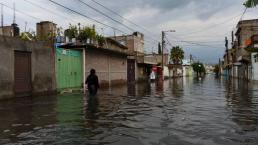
x=200, y=25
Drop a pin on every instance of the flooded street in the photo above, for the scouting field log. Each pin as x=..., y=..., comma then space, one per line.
x=181, y=112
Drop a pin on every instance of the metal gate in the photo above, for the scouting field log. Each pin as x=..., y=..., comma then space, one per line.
x=22, y=74
x=131, y=70
x=69, y=68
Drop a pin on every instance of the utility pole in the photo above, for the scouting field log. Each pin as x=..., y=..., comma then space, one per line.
x=191, y=58
x=226, y=45
x=2, y=15
x=232, y=38
x=14, y=16
x=162, y=51
x=26, y=26
x=219, y=67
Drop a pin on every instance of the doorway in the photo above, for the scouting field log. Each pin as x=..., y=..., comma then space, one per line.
x=22, y=74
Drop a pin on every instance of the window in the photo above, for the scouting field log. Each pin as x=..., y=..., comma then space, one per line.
x=256, y=58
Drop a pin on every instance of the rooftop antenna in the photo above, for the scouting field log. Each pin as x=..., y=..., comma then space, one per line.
x=2, y=15
x=14, y=16
x=114, y=33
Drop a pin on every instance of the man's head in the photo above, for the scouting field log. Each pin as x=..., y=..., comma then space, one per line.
x=92, y=71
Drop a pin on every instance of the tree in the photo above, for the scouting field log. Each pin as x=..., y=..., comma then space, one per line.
x=216, y=70
x=251, y=3
x=159, y=48
x=100, y=39
x=87, y=33
x=198, y=68
x=177, y=55
x=72, y=32
x=28, y=36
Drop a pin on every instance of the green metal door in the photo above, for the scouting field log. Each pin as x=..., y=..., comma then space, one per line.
x=69, y=68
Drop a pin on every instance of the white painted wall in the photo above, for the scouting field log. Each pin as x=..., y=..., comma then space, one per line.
x=166, y=71
x=254, y=67
x=255, y=71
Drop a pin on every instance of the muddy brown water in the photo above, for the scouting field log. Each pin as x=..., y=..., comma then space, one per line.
x=187, y=111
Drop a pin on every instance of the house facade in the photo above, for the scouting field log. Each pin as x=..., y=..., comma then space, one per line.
x=27, y=68
x=10, y=31
x=240, y=60
x=252, y=48
x=138, y=70
x=109, y=61
x=245, y=30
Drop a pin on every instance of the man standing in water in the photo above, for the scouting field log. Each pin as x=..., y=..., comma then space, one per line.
x=92, y=83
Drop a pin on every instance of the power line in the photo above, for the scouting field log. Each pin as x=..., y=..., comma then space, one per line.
x=83, y=15
x=86, y=16
x=243, y=14
x=194, y=43
x=48, y=10
x=106, y=15
x=102, y=13
x=203, y=41
x=210, y=27
x=20, y=12
x=121, y=16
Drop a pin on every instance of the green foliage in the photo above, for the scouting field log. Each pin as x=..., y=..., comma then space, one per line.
x=72, y=32
x=177, y=55
x=59, y=31
x=87, y=33
x=83, y=34
x=199, y=68
x=100, y=39
x=28, y=36
x=251, y=3
x=216, y=69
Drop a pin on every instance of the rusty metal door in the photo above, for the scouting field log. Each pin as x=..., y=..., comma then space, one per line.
x=22, y=74
x=131, y=70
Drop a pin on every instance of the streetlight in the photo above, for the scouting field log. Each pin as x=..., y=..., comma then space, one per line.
x=162, y=50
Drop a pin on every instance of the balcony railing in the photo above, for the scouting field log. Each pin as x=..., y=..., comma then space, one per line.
x=253, y=45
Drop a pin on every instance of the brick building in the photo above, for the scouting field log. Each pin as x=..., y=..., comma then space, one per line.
x=137, y=69
x=46, y=30
x=11, y=31
x=246, y=29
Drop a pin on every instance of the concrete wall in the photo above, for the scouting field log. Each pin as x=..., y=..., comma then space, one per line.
x=140, y=72
x=7, y=31
x=110, y=67
x=42, y=66
x=175, y=72
x=187, y=71
x=133, y=42
x=166, y=71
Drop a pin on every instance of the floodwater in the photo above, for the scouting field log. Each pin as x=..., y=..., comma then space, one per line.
x=187, y=111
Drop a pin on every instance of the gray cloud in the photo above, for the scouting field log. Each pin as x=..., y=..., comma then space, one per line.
x=185, y=16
